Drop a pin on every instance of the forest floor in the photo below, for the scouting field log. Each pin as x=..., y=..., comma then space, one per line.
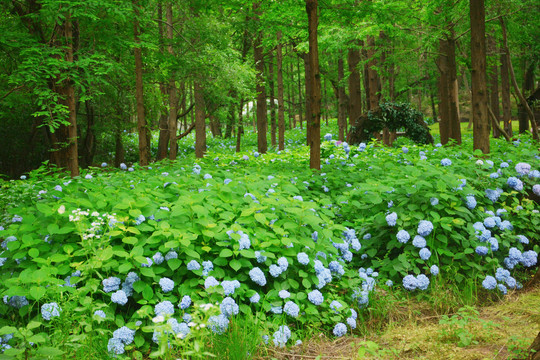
x=501, y=331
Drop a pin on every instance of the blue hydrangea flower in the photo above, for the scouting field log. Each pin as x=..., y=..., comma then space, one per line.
x=494, y=244
x=405, y=149
x=502, y=274
x=275, y=270
x=244, y=241
x=281, y=336
x=260, y=258
x=315, y=297
x=425, y=227
x=119, y=297
x=124, y=334
x=291, y=309
x=340, y=329
x=158, y=258
x=409, y=282
x=511, y=282
x=324, y=278
x=391, y=219
x=368, y=235
x=336, y=268
x=255, y=298
x=523, y=168
x=303, y=258
x=229, y=286
x=185, y=303
x=50, y=310
x=446, y=162
x=351, y=322
x=218, y=324
x=389, y=283
x=164, y=308
x=335, y=305
x=284, y=294
x=187, y=318
x=481, y=250
x=111, y=284
x=328, y=137
x=229, y=307
x=489, y=283
x=403, y=236
x=422, y=282
x=283, y=263
x=424, y=253
x=193, y=265
x=529, y=258
x=207, y=267
x=419, y=242
x=210, y=281
x=257, y=276
x=493, y=195
x=166, y=284
x=434, y=201
x=315, y=236
x=515, y=183
x=489, y=222
x=434, y=270
x=100, y=313
x=502, y=288
x=149, y=262
x=115, y=346
x=470, y=202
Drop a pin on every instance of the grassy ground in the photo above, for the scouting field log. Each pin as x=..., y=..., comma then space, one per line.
x=500, y=331
x=464, y=128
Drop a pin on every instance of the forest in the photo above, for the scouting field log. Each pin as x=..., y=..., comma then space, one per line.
x=248, y=179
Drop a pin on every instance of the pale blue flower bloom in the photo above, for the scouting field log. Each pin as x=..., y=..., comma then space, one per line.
x=164, y=308
x=50, y=310
x=446, y=162
x=340, y=329
x=281, y=336
x=229, y=307
x=403, y=236
x=315, y=297
x=166, y=284
x=434, y=270
x=425, y=227
x=481, y=250
x=255, y=298
x=291, y=309
x=419, y=241
x=185, y=303
x=284, y=294
x=489, y=283
x=409, y=282
x=391, y=219
x=111, y=284
x=303, y=258
x=424, y=253
x=119, y=297
x=193, y=265
x=218, y=324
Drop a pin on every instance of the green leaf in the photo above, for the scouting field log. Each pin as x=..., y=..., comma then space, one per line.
x=49, y=351
x=125, y=267
x=33, y=252
x=7, y=330
x=130, y=240
x=147, y=293
x=235, y=264
x=174, y=264
x=192, y=253
x=225, y=253
x=260, y=217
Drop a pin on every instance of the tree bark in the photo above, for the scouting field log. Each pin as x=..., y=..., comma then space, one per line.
x=308, y=84
x=373, y=77
x=173, y=101
x=72, y=150
x=314, y=123
x=505, y=94
x=163, y=140
x=281, y=105
x=262, y=123
x=273, y=127
x=454, y=122
x=478, y=74
x=355, y=91
x=300, y=98
x=240, y=131
x=89, y=144
x=144, y=134
x=342, y=99
x=522, y=99
x=200, y=122
x=494, y=85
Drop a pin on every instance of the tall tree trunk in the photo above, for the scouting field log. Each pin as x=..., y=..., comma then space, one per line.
x=373, y=77
x=314, y=123
x=523, y=101
x=89, y=144
x=505, y=94
x=300, y=98
x=454, y=122
x=200, y=122
x=144, y=134
x=444, y=96
x=494, y=84
x=273, y=127
x=119, y=153
x=478, y=74
x=240, y=130
x=173, y=99
x=342, y=100
x=163, y=140
x=308, y=85
x=262, y=123
x=72, y=150
x=292, y=100
x=355, y=91
x=281, y=105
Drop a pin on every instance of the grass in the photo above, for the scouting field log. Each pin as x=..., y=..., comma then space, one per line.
x=465, y=130
x=503, y=330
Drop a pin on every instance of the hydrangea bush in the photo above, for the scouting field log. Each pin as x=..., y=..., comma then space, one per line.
x=133, y=255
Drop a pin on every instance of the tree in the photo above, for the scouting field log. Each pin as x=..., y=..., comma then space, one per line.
x=314, y=122
x=262, y=123
x=478, y=75
x=281, y=105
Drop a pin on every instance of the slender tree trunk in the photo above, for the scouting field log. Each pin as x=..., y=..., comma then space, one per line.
x=314, y=123
x=119, y=153
x=173, y=99
x=355, y=91
x=144, y=134
x=373, y=78
x=281, y=105
x=273, y=124
x=522, y=99
x=89, y=138
x=454, y=121
x=200, y=122
x=308, y=85
x=72, y=150
x=478, y=74
x=163, y=117
x=240, y=126
x=292, y=100
x=505, y=94
x=342, y=101
x=300, y=98
x=262, y=123
x=444, y=96
x=494, y=85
